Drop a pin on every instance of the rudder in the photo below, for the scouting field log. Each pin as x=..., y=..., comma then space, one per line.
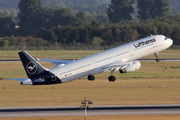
x=31, y=66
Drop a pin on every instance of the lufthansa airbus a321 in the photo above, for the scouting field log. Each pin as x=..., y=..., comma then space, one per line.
x=122, y=58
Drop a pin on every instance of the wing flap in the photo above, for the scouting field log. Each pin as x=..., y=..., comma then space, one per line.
x=115, y=66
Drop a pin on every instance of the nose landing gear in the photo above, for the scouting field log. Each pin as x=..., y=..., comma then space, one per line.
x=157, y=59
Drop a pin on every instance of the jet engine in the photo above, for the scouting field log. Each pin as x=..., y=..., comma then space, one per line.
x=133, y=66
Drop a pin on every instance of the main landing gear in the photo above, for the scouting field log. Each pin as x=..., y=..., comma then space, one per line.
x=157, y=59
x=111, y=78
x=91, y=77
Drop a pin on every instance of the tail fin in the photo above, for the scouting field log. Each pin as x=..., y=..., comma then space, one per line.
x=31, y=66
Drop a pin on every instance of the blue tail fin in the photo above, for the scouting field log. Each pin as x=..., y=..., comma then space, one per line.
x=31, y=66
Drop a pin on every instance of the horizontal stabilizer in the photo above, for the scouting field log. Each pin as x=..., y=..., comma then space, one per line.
x=18, y=79
x=24, y=81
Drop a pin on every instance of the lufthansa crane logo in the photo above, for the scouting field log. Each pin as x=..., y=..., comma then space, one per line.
x=31, y=67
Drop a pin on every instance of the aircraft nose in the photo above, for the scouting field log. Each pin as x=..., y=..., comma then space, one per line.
x=170, y=41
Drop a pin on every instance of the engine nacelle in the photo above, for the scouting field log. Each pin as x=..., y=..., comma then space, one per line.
x=26, y=82
x=133, y=66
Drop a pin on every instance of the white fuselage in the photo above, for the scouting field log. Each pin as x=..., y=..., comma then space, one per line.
x=93, y=64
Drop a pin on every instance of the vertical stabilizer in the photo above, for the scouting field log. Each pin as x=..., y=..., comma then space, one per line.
x=31, y=66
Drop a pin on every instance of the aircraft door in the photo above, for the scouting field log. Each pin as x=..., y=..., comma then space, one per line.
x=131, y=52
x=160, y=42
x=94, y=63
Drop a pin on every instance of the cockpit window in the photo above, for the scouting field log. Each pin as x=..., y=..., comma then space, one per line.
x=165, y=38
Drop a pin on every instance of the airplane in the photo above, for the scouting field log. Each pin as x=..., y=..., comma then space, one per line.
x=122, y=58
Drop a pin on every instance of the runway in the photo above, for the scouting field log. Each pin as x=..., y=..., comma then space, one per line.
x=161, y=59
x=94, y=111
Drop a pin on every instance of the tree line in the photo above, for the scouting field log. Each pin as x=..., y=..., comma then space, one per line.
x=62, y=26
x=99, y=34
x=53, y=3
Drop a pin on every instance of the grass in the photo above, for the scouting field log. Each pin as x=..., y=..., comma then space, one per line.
x=50, y=54
x=147, y=70
x=101, y=92
x=167, y=54
x=154, y=83
x=115, y=117
x=74, y=54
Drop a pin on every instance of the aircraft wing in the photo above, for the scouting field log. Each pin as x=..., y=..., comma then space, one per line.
x=57, y=62
x=115, y=66
x=124, y=67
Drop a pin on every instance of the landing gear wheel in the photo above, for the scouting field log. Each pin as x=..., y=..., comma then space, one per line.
x=91, y=77
x=112, y=79
x=157, y=60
